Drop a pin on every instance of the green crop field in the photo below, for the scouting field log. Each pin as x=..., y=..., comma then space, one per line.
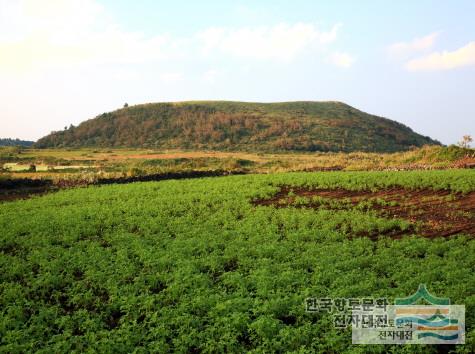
x=225, y=264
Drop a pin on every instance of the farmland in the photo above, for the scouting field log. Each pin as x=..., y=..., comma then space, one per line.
x=212, y=177
x=27, y=171
x=58, y=164
x=225, y=264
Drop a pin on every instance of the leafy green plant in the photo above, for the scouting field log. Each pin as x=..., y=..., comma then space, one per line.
x=194, y=266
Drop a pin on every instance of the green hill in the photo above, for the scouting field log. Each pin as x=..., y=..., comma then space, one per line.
x=224, y=125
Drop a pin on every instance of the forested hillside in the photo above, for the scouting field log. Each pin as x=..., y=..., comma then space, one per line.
x=15, y=142
x=223, y=125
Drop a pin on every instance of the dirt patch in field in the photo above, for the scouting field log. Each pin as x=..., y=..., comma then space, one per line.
x=23, y=188
x=431, y=213
x=466, y=162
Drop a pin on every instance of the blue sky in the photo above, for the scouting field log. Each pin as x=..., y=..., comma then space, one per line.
x=64, y=61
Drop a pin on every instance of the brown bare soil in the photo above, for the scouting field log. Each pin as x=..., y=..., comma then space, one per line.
x=24, y=193
x=432, y=213
x=23, y=188
x=466, y=162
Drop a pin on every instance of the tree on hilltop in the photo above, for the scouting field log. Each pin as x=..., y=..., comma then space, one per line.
x=465, y=142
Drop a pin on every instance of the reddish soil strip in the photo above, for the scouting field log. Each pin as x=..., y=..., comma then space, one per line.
x=433, y=213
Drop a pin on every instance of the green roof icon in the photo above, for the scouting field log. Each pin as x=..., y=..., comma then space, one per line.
x=422, y=293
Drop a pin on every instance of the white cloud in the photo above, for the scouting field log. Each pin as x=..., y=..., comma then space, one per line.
x=51, y=34
x=21, y=18
x=405, y=49
x=281, y=42
x=125, y=75
x=210, y=76
x=341, y=59
x=172, y=77
x=464, y=56
x=36, y=34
